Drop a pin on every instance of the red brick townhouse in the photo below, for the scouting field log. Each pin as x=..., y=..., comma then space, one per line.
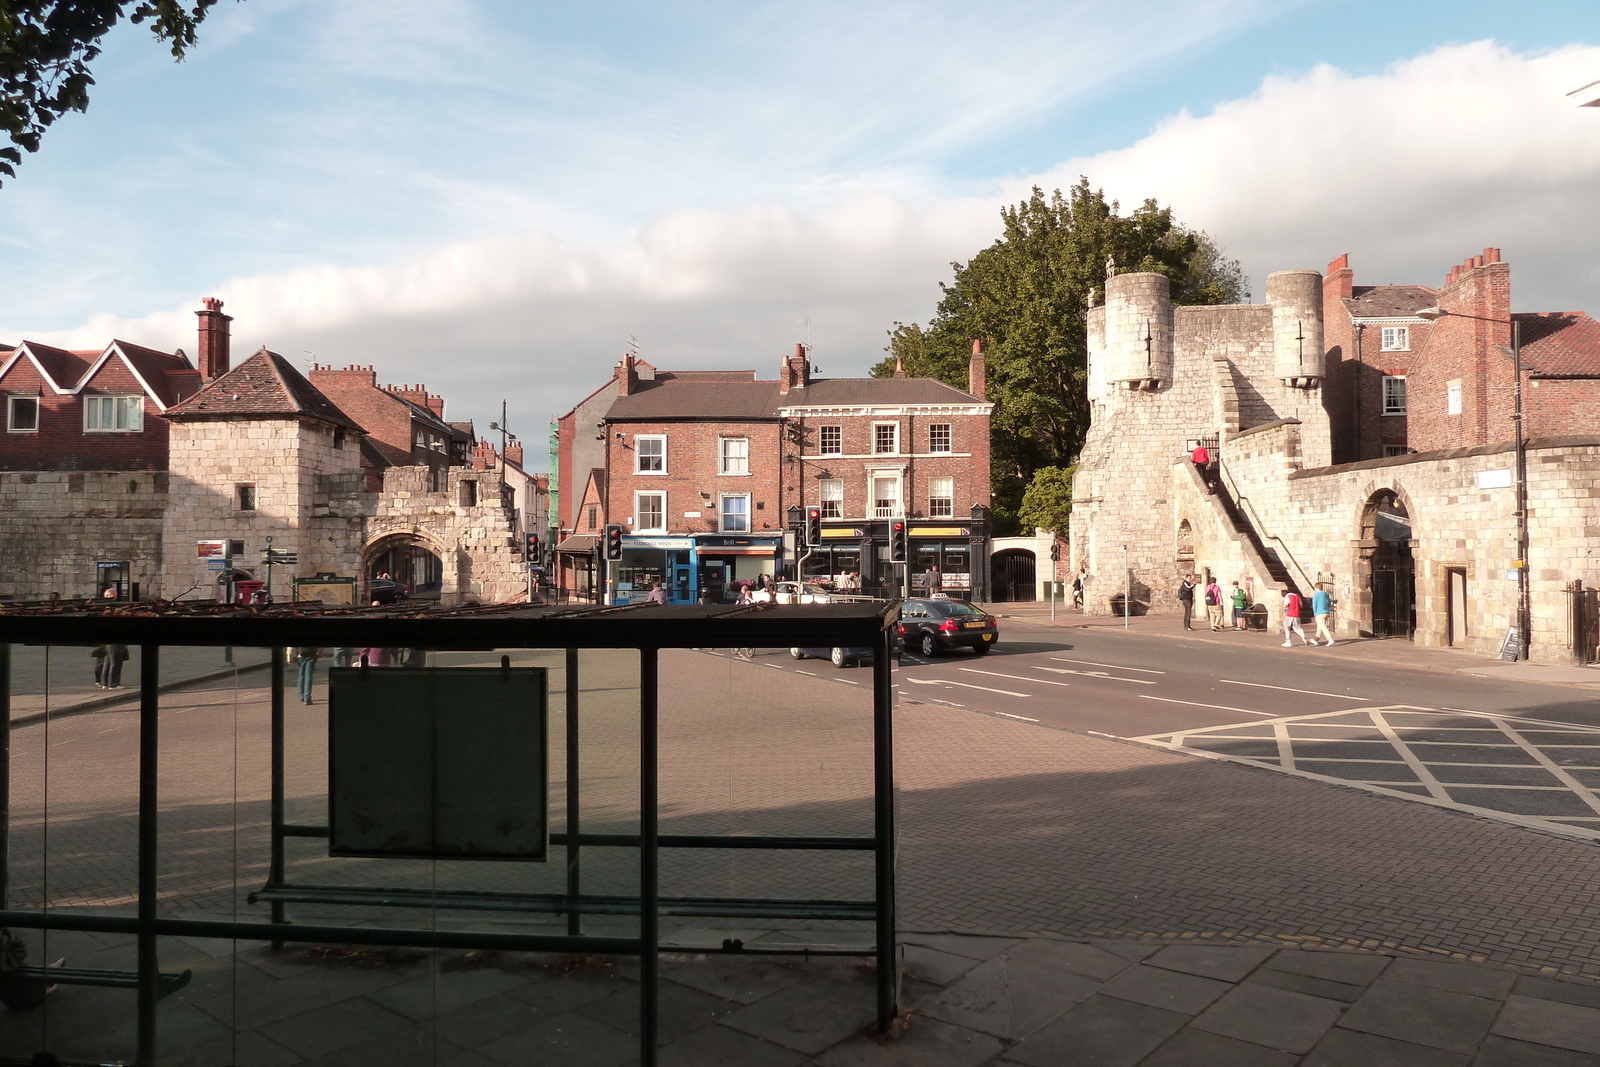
x=707, y=470
x=405, y=423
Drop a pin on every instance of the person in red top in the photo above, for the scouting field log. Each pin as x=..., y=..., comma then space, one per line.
x=1202, y=464
x=1291, y=617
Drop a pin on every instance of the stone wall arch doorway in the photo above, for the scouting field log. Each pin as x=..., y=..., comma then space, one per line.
x=1013, y=576
x=1387, y=569
x=408, y=559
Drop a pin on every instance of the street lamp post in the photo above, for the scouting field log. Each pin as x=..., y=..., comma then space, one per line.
x=1524, y=590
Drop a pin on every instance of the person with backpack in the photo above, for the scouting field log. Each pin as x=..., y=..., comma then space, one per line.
x=1291, y=617
x=1186, y=598
x=1240, y=603
x=1214, y=605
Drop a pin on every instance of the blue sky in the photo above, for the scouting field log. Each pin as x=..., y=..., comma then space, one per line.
x=521, y=188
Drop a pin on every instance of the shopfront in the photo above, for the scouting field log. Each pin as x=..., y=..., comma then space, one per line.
x=648, y=560
x=947, y=551
x=960, y=554
x=722, y=560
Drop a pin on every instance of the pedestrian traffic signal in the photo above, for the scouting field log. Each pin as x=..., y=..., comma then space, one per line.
x=531, y=548
x=897, y=542
x=613, y=541
x=1055, y=552
x=813, y=526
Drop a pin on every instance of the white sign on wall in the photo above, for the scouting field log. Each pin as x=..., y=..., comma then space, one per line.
x=1500, y=479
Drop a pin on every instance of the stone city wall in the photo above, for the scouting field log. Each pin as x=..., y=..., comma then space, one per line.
x=469, y=529
x=55, y=525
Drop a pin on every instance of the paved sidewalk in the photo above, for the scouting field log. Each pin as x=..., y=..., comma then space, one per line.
x=1388, y=650
x=970, y=1001
x=60, y=678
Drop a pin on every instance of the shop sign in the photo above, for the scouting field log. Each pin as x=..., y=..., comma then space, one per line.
x=835, y=533
x=211, y=549
x=940, y=531
x=656, y=542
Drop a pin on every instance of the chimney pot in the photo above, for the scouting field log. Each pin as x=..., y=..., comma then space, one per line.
x=976, y=371
x=1491, y=255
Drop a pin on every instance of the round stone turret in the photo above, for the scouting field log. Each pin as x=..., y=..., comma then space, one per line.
x=1138, y=348
x=1297, y=353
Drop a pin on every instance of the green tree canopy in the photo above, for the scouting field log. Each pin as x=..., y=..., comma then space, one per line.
x=1025, y=297
x=1047, y=502
x=46, y=47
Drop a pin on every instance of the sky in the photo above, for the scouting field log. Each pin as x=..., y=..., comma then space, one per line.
x=495, y=199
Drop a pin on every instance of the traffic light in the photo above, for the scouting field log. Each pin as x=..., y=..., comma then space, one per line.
x=813, y=526
x=1055, y=552
x=530, y=548
x=897, y=541
x=613, y=541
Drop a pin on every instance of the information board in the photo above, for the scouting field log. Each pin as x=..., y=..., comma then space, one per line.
x=438, y=762
x=1512, y=647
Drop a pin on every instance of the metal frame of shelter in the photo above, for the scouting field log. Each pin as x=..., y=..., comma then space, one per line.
x=647, y=628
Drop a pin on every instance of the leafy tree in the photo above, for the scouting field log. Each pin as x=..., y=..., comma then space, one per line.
x=1025, y=297
x=46, y=47
x=1047, y=503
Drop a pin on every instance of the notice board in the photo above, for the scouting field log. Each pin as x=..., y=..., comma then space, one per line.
x=438, y=762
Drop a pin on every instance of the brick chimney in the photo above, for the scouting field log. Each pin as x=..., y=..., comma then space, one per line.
x=514, y=453
x=976, y=371
x=899, y=367
x=483, y=456
x=1340, y=281
x=798, y=369
x=627, y=375
x=213, y=351
x=418, y=395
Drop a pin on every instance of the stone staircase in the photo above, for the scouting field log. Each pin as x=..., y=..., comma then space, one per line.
x=1266, y=558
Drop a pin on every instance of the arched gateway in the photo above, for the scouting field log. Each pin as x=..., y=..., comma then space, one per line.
x=409, y=559
x=1387, y=573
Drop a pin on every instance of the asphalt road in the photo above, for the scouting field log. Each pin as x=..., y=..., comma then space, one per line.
x=1490, y=747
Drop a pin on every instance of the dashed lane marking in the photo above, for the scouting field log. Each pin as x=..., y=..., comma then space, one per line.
x=1014, y=677
x=1197, y=704
x=1113, y=666
x=1091, y=674
x=965, y=685
x=1287, y=689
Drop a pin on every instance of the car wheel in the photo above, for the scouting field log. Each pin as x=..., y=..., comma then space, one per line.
x=797, y=654
x=982, y=650
x=838, y=658
x=930, y=646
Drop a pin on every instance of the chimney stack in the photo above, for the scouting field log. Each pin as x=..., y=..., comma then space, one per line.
x=627, y=375
x=899, y=367
x=514, y=452
x=975, y=371
x=799, y=368
x=213, y=350
x=1340, y=280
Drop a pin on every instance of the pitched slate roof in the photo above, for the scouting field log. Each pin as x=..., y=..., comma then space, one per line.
x=674, y=398
x=1389, y=301
x=64, y=368
x=1560, y=344
x=168, y=374
x=265, y=385
x=675, y=395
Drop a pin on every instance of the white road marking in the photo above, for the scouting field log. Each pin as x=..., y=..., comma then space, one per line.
x=1418, y=768
x=808, y=674
x=1014, y=677
x=1113, y=666
x=1285, y=747
x=1197, y=704
x=1287, y=689
x=1091, y=674
x=966, y=685
x=1556, y=770
x=1008, y=715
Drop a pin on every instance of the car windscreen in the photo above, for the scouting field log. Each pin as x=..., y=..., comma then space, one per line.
x=957, y=607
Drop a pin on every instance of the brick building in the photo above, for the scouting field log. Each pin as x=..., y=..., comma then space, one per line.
x=1371, y=333
x=707, y=470
x=405, y=424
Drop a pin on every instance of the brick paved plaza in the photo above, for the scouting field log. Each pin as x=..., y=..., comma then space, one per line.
x=1008, y=830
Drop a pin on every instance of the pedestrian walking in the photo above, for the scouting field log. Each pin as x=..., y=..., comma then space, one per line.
x=1240, y=602
x=657, y=595
x=1077, y=587
x=1201, y=458
x=108, y=661
x=1214, y=606
x=1322, y=607
x=1291, y=618
x=307, y=657
x=930, y=581
x=1186, y=598
x=100, y=674
x=377, y=657
x=345, y=657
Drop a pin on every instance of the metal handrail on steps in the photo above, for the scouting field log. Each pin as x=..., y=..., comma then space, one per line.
x=1255, y=520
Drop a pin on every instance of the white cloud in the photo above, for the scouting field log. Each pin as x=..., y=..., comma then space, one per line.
x=1409, y=170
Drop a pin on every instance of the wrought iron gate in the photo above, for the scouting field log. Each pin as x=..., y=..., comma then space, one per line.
x=1014, y=573
x=1394, y=596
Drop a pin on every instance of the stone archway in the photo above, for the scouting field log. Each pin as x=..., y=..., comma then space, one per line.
x=408, y=558
x=1386, y=587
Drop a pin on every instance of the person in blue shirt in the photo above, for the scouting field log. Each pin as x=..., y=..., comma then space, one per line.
x=1322, y=607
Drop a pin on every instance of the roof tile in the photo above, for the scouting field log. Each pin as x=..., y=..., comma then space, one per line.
x=1560, y=344
x=266, y=384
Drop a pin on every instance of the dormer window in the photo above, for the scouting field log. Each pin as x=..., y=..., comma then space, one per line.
x=22, y=415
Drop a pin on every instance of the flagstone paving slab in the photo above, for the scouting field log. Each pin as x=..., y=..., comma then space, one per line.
x=1276, y=1018
x=1424, y=1015
x=1549, y=1022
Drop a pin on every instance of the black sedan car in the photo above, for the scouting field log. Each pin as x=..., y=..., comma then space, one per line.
x=931, y=626
x=386, y=590
x=839, y=657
